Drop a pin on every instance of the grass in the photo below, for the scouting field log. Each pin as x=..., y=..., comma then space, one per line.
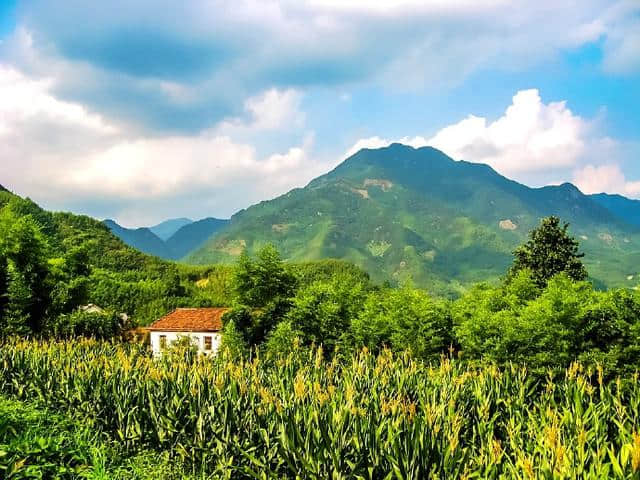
x=39, y=443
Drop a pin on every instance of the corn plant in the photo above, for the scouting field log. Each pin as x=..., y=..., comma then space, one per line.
x=383, y=416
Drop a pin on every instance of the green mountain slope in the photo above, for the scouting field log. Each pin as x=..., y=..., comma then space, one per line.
x=165, y=229
x=105, y=251
x=193, y=235
x=142, y=239
x=403, y=213
x=624, y=208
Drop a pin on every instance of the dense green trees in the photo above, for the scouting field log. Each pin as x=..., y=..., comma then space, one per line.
x=322, y=311
x=544, y=314
x=404, y=319
x=263, y=288
x=564, y=322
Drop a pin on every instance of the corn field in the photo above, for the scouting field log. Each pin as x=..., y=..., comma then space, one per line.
x=369, y=417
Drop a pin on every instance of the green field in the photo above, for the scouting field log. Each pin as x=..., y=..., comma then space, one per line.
x=301, y=416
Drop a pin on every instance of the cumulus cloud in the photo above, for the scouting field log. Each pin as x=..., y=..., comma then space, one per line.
x=60, y=153
x=530, y=136
x=186, y=75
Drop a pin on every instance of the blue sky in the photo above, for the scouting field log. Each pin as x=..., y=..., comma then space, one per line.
x=144, y=110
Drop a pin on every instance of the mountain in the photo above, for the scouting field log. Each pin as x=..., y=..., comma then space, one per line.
x=187, y=238
x=403, y=213
x=165, y=229
x=624, y=208
x=191, y=236
x=142, y=239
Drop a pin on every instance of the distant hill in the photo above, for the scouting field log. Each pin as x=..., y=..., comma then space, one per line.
x=105, y=250
x=142, y=239
x=404, y=213
x=165, y=229
x=187, y=238
x=623, y=207
x=193, y=235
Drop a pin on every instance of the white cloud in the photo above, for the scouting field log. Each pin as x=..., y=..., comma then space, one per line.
x=607, y=178
x=66, y=157
x=268, y=111
x=23, y=99
x=530, y=136
x=275, y=109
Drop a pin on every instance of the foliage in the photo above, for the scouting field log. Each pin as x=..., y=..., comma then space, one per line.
x=263, y=281
x=322, y=311
x=233, y=343
x=24, y=249
x=102, y=325
x=282, y=340
x=262, y=290
x=368, y=416
x=36, y=445
x=36, y=442
x=549, y=251
x=550, y=327
x=404, y=319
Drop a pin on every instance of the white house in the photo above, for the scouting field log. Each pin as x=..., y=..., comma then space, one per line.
x=202, y=325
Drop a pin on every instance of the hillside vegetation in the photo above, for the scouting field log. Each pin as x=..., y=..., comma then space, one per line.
x=53, y=263
x=321, y=373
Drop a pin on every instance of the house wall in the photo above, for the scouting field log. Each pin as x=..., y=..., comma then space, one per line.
x=196, y=337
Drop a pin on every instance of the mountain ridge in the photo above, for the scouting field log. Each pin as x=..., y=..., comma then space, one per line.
x=185, y=239
x=404, y=213
x=625, y=208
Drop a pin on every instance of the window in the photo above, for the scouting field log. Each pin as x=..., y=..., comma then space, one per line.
x=163, y=342
x=208, y=341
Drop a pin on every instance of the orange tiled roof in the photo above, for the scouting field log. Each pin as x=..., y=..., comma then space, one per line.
x=191, y=320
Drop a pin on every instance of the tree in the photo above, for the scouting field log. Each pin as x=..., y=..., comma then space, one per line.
x=103, y=325
x=4, y=284
x=549, y=251
x=233, y=342
x=263, y=289
x=282, y=340
x=28, y=287
x=260, y=282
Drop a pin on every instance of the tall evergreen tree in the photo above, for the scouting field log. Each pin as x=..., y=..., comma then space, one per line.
x=550, y=250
